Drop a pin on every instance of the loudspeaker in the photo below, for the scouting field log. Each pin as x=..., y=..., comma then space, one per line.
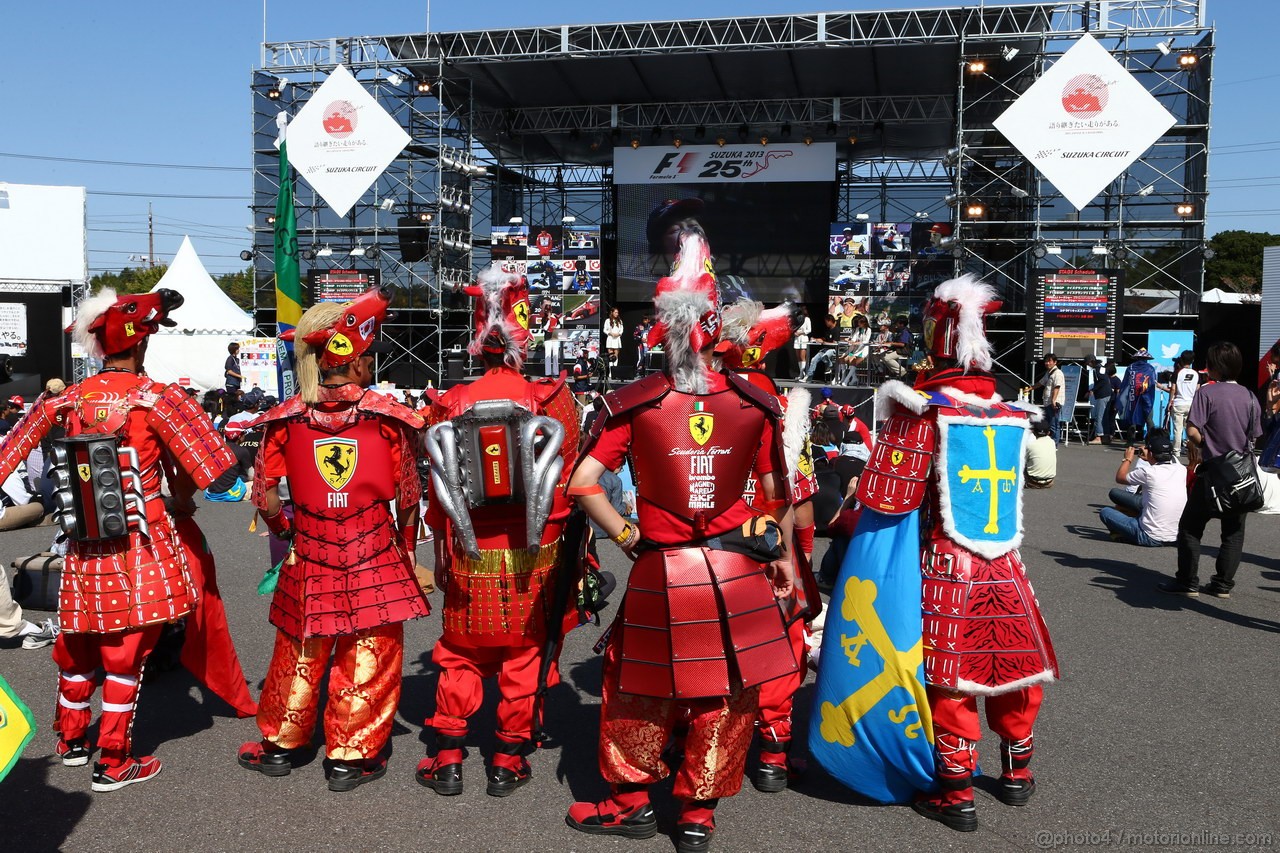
x=415, y=239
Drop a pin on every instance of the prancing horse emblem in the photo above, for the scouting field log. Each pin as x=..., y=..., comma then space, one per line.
x=336, y=460
x=701, y=425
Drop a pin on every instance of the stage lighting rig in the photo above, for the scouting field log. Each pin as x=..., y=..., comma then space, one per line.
x=1186, y=210
x=246, y=255
x=1188, y=60
x=422, y=87
x=975, y=210
x=1009, y=53
x=976, y=66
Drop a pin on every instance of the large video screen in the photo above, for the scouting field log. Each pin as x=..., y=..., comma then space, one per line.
x=768, y=239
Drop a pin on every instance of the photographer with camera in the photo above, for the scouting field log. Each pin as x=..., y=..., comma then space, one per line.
x=1150, y=517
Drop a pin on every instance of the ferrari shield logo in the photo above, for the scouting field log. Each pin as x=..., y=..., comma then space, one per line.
x=701, y=425
x=896, y=457
x=339, y=345
x=750, y=356
x=493, y=450
x=521, y=310
x=805, y=463
x=83, y=471
x=336, y=460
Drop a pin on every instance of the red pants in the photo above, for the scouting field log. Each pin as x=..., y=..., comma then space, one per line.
x=364, y=690
x=956, y=732
x=460, y=689
x=634, y=730
x=121, y=657
x=776, y=696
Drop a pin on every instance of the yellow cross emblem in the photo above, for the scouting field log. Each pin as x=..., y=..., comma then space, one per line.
x=900, y=668
x=992, y=475
x=336, y=460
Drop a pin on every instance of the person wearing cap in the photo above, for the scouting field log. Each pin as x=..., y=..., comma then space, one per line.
x=10, y=413
x=1159, y=504
x=348, y=583
x=934, y=567
x=125, y=574
x=499, y=549
x=1136, y=400
x=695, y=437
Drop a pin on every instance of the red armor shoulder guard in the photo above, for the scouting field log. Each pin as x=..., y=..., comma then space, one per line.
x=185, y=429
x=755, y=395
x=381, y=404
x=291, y=408
x=28, y=432
x=897, y=476
x=619, y=401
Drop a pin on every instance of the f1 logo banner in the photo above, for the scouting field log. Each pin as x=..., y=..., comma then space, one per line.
x=703, y=164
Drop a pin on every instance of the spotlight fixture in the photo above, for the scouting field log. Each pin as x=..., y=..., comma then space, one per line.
x=1165, y=47
x=948, y=242
x=952, y=156
x=568, y=220
x=1099, y=249
x=357, y=252
x=1119, y=252
x=516, y=220
x=1019, y=192
x=324, y=252
x=422, y=87
x=1187, y=60
x=595, y=144
x=635, y=142
x=764, y=140
x=808, y=139
x=1186, y=210
x=273, y=94
x=308, y=254
x=862, y=217
x=975, y=210
x=957, y=251
x=677, y=141
x=1208, y=253
x=1038, y=251
x=424, y=217
x=951, y=199
x=720, y=140
x=1009, y=53
x=920, y=214
x=1053, y=249
x=372, y=252
x=977, y=66
x=394, y=79
x=853, y=139
x=1147, y=190
x=388, y=204
x=246, y=255
x=271, y=219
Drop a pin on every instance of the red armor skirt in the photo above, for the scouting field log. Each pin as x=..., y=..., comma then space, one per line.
x=983, y=632
x=700, y=623
x=123, y=584
x=349, y=574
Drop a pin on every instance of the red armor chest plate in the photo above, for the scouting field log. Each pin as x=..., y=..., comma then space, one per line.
x=693, y=454
x=348, y=469
x=108, y=403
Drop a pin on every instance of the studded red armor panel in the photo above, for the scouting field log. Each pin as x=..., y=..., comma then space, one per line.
x=683, y=449
x=137, y=580
x=348, y=570
x=983, y=632
x=502, y=598
x=896, y=478
x=700, y=623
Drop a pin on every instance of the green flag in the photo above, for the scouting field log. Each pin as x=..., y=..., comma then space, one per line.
x=288, y=277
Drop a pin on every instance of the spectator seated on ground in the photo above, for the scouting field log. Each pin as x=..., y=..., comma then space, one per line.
x=1042, y=457
x=19, y=507
x=1159, y=504
x=233, y=486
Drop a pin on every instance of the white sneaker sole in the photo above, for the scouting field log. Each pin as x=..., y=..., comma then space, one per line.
x=75, y=762
x=102, y=787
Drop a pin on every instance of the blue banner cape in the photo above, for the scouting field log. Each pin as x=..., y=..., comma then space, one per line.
x=871, y=727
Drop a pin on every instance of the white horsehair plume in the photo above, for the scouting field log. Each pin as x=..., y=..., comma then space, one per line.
x=90, y=310
x=973, y=295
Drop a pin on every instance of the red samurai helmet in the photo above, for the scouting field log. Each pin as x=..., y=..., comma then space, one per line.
x=354, y=333
x=502, y=315
x=751, y=332
x=107, y=324
x=955, y=322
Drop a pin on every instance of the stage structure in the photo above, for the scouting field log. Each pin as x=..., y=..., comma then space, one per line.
x=521, y=124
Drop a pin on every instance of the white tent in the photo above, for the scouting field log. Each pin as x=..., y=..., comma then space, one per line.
x=194, y=351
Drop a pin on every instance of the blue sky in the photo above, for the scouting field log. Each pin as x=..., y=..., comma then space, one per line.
x=164, y=82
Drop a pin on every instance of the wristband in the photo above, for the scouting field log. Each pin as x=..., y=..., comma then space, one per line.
x=584, y=491
x=627, y=539
x=625, y=533
x=279, y=524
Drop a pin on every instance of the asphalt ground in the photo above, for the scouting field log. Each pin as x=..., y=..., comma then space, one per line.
x=1161, y=734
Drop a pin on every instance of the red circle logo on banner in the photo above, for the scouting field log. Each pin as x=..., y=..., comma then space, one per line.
x=340, y=119
x=1085, y=95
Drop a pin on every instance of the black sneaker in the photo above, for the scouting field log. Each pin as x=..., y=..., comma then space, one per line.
x=1015, y=792
x=694, y=837
x=74, y=753
x=1215, y=591
x=445, y=780
x=962, y=817
x=253, y=756
x=770, y=778
x=606, y=818
x=503, y=781
x=348, y=777
x=1175, y=588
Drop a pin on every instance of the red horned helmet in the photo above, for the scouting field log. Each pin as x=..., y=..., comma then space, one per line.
x=687, y=299
x=955, y=322
x=356, y=330
x=116, y=323
x=502, y=314
x=769, y=329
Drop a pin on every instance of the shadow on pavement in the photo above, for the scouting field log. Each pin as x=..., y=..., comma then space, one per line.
x=39, y=816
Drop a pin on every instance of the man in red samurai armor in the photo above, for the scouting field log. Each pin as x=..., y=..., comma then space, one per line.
x=347, y=585
x=700, y=629
x=127, y=570
x=501, y=450
x=952, y=446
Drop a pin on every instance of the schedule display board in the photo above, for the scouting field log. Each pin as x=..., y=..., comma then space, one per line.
x=1076, y=312
x=339, y=285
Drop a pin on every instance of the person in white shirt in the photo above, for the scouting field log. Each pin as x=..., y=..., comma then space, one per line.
x=801, y=341
x=1185, y=383
x=1160, y=503
x=1042, y=457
